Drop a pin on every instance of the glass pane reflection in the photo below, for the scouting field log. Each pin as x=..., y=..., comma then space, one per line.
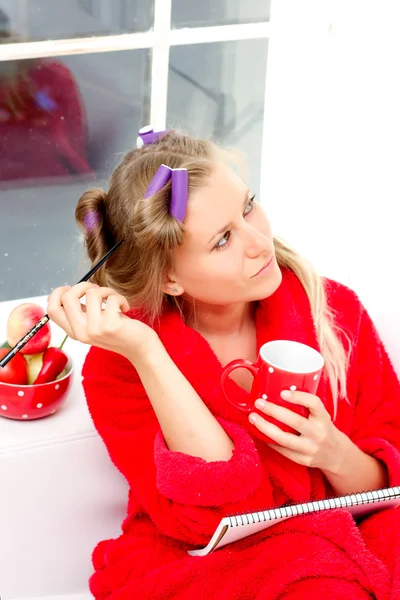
x=217, y=90
x=219, y=12
x=63, y=125
x=36, y=20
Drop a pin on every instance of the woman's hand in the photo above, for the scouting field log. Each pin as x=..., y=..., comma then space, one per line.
x=319, y=441
x=106, y=328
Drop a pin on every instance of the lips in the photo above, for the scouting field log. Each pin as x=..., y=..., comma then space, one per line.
x=264, y=266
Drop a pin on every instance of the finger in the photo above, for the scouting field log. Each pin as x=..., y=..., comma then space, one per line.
x=53, y=300
x=74, y=310
x=56, y=311
x=79, y=290
x=104, y=293
x=94, y=303
x=283, y=438
x=56, y=293
x=100, y=318
x=310, y=401
x=284, y=415
x=296, y=457
x=123, y=303
x=116, y=304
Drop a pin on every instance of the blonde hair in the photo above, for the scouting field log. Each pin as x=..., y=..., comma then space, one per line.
x=138, y=268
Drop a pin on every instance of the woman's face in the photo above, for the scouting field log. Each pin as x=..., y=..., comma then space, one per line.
x=228, y=241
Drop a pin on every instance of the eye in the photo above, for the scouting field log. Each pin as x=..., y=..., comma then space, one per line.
x=249, y=205
x=223, y=241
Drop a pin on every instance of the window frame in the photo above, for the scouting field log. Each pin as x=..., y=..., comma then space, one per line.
x=158, y=41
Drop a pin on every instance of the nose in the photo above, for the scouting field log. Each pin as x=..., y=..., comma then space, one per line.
x=255, y=242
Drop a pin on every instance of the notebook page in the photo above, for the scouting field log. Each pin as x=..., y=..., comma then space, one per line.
x=232, y=529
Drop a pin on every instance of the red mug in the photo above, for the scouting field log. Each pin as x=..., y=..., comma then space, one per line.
x=281, y=365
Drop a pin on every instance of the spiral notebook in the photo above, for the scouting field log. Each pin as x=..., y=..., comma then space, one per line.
x=236, y=527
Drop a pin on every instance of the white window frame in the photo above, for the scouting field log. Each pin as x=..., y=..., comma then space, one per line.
x=159, y=40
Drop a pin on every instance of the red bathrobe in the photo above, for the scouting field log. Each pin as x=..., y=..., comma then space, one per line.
x=176, y=500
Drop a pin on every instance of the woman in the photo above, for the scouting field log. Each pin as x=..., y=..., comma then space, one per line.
x=198, y=281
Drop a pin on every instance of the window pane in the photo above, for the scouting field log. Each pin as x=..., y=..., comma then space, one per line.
x=63, y=126
x=219, y=12
x=218, y=90
x=56, y=19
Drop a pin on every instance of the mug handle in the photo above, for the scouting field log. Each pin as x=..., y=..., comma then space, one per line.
x=238, y=364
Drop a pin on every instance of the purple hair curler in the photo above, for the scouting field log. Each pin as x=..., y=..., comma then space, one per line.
x=179, y=189
x=91, y=220
x=147, y=135
x=179, y=193
x=159, y=180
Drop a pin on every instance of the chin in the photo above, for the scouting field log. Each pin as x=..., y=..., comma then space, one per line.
x=264, y=287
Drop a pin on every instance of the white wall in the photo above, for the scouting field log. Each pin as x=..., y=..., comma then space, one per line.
x=331, y=185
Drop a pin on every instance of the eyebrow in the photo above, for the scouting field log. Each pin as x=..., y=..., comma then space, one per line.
x=223, y=229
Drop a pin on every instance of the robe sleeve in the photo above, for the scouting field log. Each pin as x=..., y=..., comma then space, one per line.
x=376, y=428
x=184, y=495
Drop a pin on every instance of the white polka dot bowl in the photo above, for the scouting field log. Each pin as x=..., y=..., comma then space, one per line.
x=29, y=402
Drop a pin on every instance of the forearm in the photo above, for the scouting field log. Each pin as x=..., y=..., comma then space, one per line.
x=187, y=424
x=354, y=471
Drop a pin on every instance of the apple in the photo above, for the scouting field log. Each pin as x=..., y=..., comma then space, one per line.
x=21, y=320
x=15, y=371
x=34, y=362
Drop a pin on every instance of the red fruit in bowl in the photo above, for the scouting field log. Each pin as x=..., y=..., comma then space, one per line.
x=54, y=362
x=21, y=320
x=16, y=371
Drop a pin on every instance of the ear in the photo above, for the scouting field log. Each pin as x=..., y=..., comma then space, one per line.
x=172, y=288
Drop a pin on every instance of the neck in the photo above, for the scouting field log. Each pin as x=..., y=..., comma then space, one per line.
x=211, y=320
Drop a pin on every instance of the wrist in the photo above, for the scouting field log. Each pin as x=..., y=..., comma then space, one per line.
x=146, y=353
x=352, y=470
x=339, y=454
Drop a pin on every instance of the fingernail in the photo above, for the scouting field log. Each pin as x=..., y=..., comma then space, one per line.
x=253, y=418
x=259, y=403
x=286, y=394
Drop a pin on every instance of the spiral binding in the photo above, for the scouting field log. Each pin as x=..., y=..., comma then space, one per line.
x=293, y=510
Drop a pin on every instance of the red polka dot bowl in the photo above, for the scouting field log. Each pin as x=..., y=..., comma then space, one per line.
x=29, y=402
